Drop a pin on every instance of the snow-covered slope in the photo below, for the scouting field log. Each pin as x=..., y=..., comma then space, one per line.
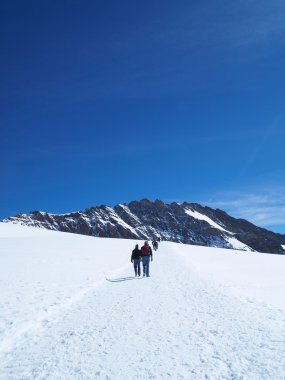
x=199, y=216
x=204, y=312
x=188, y=223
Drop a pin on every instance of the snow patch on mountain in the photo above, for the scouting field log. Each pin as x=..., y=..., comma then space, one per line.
x=113, y=218
x=128, y=211
x=198, y=215
x=236, y=244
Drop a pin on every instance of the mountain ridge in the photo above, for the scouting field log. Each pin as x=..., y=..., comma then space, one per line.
x=188, y=223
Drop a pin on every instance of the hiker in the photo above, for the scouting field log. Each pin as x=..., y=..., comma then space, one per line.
x=146, y=253
x=136, y=259
x=155, y=245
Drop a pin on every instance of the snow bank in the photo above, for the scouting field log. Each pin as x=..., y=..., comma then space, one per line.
x=250, y=274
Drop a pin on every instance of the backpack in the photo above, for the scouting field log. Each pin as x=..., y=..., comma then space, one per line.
x=145, y=250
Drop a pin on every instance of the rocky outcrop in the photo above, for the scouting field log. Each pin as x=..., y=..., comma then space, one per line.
x=188, y=223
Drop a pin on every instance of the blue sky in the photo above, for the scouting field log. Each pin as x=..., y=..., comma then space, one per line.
x=108, y=101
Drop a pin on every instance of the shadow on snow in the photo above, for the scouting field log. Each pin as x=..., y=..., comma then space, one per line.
x=121, y=279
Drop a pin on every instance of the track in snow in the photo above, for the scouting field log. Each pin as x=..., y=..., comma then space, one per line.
x=172, y=325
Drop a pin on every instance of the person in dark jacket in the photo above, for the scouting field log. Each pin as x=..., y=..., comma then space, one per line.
x=136, y=259
x=155, y=245
x=146, y=253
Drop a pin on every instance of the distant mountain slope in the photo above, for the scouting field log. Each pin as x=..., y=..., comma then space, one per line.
x=188, y=223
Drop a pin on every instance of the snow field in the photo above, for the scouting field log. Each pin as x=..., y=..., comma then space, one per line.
x=203, y=313
x=43, y=273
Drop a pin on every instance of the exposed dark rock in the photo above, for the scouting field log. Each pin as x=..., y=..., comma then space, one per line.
x=188, y=223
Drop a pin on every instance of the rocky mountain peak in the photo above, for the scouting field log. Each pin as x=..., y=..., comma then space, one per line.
x=188, y=223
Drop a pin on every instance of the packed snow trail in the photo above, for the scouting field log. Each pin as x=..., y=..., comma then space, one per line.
x=174, y=325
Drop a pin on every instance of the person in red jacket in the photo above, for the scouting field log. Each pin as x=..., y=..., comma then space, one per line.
x=146, y=257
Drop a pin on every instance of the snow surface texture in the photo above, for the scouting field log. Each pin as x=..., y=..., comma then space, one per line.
x=204, y=313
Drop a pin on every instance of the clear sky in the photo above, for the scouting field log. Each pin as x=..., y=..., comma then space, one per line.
x=105, y=102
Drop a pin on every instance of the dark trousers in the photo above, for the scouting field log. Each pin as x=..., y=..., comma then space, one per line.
x=137, y=266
